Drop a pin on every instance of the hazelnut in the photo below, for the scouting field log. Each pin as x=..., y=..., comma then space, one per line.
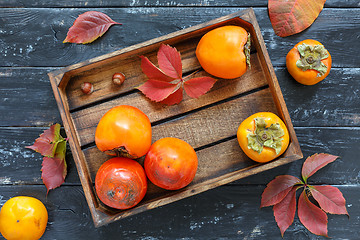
x=118, y=78
x=87, y=88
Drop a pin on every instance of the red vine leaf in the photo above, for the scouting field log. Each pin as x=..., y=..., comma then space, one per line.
x=174, y=98
x=54, y=169
x=88, y=27
x=312, y=217
x=165, y=83
x=329, y=198
x=169, y=60
x=277, y=189
x=47, y=142
x=197, y=87
x=315, y=162
x=153, y=72
x=284, y=211
x=289, y=17
x=157, y=90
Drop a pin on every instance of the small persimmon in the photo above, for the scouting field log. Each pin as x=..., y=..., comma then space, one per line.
x=308, y=62
x=263, y=136
x=23, y=218
x=224, y=51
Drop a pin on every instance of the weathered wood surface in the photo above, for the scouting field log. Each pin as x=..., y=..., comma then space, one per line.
x=326, y=116
x=33, y=36
x=149, y=3
x=228, y=212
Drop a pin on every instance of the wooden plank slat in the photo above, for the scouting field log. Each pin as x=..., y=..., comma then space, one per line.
x=35, y=35
x=35, y=105
x=227, y=212
x=22, y=166
x=147, y=3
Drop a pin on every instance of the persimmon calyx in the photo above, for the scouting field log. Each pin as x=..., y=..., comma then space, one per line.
x=120, y=152
x=247, y=50
x=265, y=136
x=310, y=58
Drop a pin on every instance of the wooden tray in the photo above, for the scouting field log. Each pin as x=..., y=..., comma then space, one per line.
x=209, y=123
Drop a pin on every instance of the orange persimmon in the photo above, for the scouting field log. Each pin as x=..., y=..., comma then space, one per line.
x=263, y=136
x=308, y=62
x=225, y=51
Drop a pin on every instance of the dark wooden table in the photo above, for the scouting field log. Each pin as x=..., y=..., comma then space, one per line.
x=326, y=116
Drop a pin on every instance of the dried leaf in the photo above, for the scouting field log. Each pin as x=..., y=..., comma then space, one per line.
x=88, y=27
x=169, y=60
x=312, y=217
x=197, y=87
x=165, y=84
x=158, y=90
x=277, y=189
x=315, y=162
x=284, y=211
x=54, y=169
x=47, y=142
x=289, y=17
x=329, y=198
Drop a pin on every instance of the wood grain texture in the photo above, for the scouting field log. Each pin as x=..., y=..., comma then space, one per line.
x=34, y=105
x=340, y=141
x=326, y=116
x=149, y=3
x=227, y=212
x=35, y=35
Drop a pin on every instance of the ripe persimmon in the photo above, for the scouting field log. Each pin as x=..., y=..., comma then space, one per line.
x=263, y=136
x=308, y=62
x=124, y=131
x=225, y=51
x=171, y=163
x=121, y=183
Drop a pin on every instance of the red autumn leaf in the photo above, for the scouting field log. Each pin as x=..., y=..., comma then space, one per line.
x=312, y=217
x=158, y=90
x=277, y=189
x=169, y=60
x=54, y=169
x=165, y=84
x=47, y=142
x=315, y=162
x=289, y=17
x=88, y=27
x=329, y=198
x=284, y=211
x=152, y=72
x=174, y=98
x=197, y=87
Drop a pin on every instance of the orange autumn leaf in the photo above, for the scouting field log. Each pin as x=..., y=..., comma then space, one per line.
x=289, y=17
x=88, y=27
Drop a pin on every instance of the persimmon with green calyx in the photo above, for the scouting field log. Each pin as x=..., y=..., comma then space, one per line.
x=263, y=136
x=225, y=51
x=308, y=62
x=121, y=183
